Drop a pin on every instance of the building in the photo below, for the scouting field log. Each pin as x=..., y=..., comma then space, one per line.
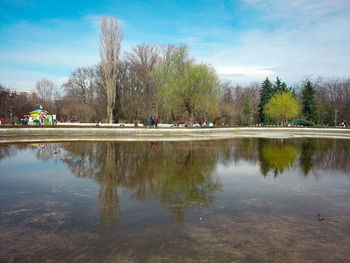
x=17, y=92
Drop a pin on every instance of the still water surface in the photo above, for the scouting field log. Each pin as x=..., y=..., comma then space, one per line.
x=241, y=200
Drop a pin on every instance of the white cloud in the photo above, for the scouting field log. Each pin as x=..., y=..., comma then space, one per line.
x=313, y=46
x=245, y=74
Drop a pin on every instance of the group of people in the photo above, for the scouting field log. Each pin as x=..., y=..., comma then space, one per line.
x=152, y=122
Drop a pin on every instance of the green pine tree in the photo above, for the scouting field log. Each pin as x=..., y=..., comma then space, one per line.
x=266, y=92
x=309, y=104
x=280, y=86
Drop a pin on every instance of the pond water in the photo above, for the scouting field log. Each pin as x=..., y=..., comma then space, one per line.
x=237, y=200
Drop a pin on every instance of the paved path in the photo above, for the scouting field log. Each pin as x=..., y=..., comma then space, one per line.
x=35, y=134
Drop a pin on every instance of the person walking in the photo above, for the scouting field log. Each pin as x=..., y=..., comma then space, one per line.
x=156, y=120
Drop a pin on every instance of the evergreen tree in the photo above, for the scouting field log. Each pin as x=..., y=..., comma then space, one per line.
x=277, y=86
x=280, y=86
x=309, y=104
x=266, y=93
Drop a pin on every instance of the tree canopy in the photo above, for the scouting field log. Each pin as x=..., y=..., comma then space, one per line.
x=186, y=87
x=282, y=107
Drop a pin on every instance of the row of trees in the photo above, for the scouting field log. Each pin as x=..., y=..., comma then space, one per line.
x=321, y=101
x=164, y=81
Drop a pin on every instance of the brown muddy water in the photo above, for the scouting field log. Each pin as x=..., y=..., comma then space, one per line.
x=237, y=200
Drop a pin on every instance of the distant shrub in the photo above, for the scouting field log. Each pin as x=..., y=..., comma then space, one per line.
x=301, y=123
x=243, y=124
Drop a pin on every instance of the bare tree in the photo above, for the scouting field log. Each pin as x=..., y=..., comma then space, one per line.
x=141, y=62
x=335, y=93
x=110, y=38
x=45, y=90
x=46, y=93
x=80, y=85
x=226, y=105
x=167, y=51
x=4, y=101
x=241, y=96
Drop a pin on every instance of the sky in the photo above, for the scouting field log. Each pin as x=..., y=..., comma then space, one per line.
x=245, y=41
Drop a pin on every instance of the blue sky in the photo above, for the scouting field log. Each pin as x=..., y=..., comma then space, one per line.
x=244, y=40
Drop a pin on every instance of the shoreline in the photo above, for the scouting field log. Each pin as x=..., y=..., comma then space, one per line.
x=109, y=134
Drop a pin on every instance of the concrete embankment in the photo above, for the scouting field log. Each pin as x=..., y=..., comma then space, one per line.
x=38, y=134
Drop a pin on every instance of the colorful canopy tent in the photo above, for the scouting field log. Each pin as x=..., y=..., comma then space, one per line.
x=41, y=117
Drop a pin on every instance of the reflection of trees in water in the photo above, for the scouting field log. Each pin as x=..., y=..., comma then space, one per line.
x=80, y=158
x=178, y=175
x=332, y=155
x=44, y=154
x=236, y=150
x=179, y=178
x=97, y=161
x=314, y=155
x=7, y=151
x=307, y=152
x=276, y=155
x=109, y=180
x=87, y=158
x=10, y=150
x=182, y=174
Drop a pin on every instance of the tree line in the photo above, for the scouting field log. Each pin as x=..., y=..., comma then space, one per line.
x=165, y=81
x=321, y=101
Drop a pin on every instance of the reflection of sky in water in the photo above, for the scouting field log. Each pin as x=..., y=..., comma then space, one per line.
x=289, y=193
x=291, y=180
x=24, y=170
x=179, y=200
